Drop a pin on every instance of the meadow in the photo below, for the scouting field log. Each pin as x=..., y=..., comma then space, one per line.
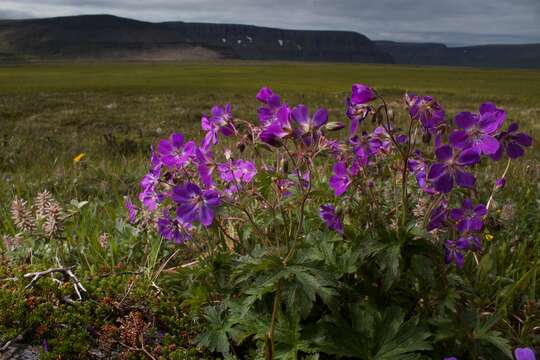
x=112, y=113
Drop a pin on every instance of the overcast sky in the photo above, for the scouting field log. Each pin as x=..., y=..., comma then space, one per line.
x=454, y=22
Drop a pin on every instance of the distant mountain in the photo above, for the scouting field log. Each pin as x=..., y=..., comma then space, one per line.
x=511, y=56
x=105, y=36
x=111, y=37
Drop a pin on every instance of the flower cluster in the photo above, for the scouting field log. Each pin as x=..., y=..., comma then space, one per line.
x=189, y=184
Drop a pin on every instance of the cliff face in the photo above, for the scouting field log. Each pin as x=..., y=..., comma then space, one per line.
x=512, y=56
x=109, y=36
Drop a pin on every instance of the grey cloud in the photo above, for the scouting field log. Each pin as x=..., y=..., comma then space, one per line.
x=448, y=21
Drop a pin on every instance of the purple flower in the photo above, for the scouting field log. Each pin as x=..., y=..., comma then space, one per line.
x=194, y=204
x=357, y=108
x=150, y=198
x=308, y=125
x=151, y=179
x=418, y=167
x=131, y=209
x=365, y=147
x=450, y=358
x=362, y=94
x=220, y=120
x=500, y=183
x=279, y=128
x=469, y=218
x=524, y=354
x=327, y=212
x=450, y=167
x=272, y=102
x=438, y=217
x=478, y=131
x=426, y=110
x=175, y=153
x=341, y=179
x=173, y=229
x=454, y=251
x=513, y=142
x=238, y=171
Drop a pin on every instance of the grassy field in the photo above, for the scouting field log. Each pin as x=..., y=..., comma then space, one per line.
x=113, y=112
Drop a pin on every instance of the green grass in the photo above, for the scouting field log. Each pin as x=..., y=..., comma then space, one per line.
x=113, y=112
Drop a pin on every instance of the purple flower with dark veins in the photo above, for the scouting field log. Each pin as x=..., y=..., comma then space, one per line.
x=220, y=120
x=238, y=171
x=438, y=217
x=513, y=142
x=272, y=102
x=450, y=168
x=308, y=126
x=175, y=152
x=418, y=167
x=478, y=131
x=469, y=218
x=327, y=212
x=173, y=229
x=524, y=354
x=426, y=110
x=362, y=94
x=341, y=179
x=150, y=198
x=454, y=251
x=357, y=107
x=279, y=128
x=194, y=204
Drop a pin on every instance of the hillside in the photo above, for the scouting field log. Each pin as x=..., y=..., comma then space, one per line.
x=105, y=36
x=511, y=56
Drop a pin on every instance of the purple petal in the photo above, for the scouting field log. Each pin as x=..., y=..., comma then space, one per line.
x=488, y=145
x=491, y=122
x=465, y=120
x=211, y=198
x=300, y=113
x=468, y=157
x=476, y=223
x=488, y=106
x=320, y=118
x=206, y=216
x=177, y=140
x=513, y=127
x=263, y=94
x=444, y=183
x=164, y=147
x=523, y=139
x=524, y=354
x=480, y=210
x=514, y=150
x=436, y=170
x=458, y=138
x=444, y=152
x=274, y=101
x=465, y=179
x=456, y=214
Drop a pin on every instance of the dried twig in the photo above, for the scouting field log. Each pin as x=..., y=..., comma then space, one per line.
x=67, y=272
x=13, y=340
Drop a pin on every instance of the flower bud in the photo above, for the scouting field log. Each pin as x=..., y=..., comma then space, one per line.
x=500, y=183
x=334, y=126
x=284, y=166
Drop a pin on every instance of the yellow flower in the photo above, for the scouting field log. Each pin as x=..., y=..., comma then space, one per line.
x=489, y=237
x=78, y=158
